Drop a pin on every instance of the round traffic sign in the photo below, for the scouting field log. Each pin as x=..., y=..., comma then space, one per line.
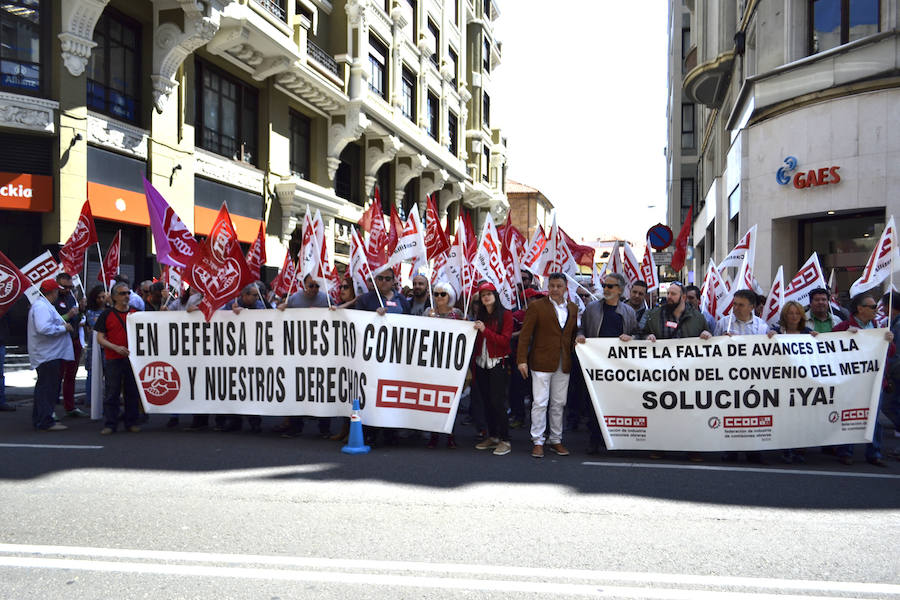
x=660, y=236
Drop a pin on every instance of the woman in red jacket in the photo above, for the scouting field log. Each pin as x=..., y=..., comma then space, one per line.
x=494, y=325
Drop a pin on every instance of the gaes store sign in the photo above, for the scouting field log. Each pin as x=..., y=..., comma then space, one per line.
x=804, y=179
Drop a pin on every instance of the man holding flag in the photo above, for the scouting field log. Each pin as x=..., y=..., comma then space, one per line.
x=49, y=344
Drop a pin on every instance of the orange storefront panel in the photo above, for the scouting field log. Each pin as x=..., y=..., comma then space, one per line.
x=116, y=204
x=24, y=191
x=247, y=229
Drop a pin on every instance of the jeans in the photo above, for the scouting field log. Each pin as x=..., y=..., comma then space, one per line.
x=46, y=391
x=118, y=375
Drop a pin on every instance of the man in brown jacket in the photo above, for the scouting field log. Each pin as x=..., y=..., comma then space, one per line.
x=545, y=344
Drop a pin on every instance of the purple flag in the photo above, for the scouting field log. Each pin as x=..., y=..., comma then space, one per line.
x=175, y=244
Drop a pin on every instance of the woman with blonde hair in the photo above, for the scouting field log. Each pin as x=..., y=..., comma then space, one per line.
x=792, y=321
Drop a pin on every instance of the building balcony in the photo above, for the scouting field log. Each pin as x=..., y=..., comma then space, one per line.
x=323, y=58
x=275, y=8
x=707, y=83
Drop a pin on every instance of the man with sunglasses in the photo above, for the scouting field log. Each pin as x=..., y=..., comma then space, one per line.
x=70, y=310
x=607, y=319
x=112, y=336
x=863, y=309
x=393, y=302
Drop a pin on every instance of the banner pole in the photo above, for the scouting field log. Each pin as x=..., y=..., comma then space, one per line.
x=102, y=271
x=891, y=280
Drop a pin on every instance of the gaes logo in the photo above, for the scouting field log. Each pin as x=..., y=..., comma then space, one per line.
x=806, y=179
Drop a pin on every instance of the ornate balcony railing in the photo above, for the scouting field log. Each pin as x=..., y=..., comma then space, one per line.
x=322, y=57
x=275, y=7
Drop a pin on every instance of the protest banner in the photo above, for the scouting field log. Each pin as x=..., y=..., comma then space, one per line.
x=736, y=393
x=406, y=371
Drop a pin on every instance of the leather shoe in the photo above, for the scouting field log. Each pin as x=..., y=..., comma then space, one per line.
x=537, y=451
x=877, y=462
x=559, y=449
x=846, y=460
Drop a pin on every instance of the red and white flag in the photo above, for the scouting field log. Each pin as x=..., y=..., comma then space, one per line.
x=596, y=278
x=715, y=297
x=885, y=259
x=535, y=250
x=310, y=252
x=285, y=281
x=37, y=270
x=111, y=261
x=219, y=270
x=649, y=272
x=744, y=279
x=372, y=223
x=458, y=270
x=172, y=276
x=631, y=265
x=808, y=278
x=13, y=284
x=614, y=263
x=256, y=254
x=775, y=299
x=436, y=242
x=489, y=263
x=360, y=273
x=410, y=245
x=84, y=235
x=680, y=253
x=746, y=247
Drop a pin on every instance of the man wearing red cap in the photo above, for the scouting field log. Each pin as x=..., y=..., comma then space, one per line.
x=545, y=345
x=49, y=344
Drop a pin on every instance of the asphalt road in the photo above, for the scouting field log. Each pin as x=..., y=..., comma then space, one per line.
x=170, y=514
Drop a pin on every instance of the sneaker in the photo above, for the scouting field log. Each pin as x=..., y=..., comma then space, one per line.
x=487, y=444
x=134, y=429
x=55, y=427
x=76, y=412
x=106, y=431
x=502, y=449
x=559, y=449
x=537, y=451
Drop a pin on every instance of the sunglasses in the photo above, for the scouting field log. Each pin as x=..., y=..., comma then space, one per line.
x=344, y=286
x=384, y=277
x=313, y=285
x=610, y=286
x=122, y=293
x=872, y=306
x=584, y=296
x=440, y=294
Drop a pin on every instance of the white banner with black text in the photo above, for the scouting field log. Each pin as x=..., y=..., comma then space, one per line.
x=406, y=371
x=736, y=393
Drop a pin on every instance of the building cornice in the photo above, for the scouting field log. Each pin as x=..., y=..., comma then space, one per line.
x=27, y=112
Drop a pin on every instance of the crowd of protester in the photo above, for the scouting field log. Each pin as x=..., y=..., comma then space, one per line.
x=521, y=358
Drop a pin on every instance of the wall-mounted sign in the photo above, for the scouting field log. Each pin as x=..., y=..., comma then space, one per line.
x=23, y=191
x=803, y=179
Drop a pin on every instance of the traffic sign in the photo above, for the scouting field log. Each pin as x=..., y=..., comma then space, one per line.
x=660, y=236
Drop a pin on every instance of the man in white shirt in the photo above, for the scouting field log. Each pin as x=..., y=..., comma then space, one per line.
x=49, y=343
x=742, y=320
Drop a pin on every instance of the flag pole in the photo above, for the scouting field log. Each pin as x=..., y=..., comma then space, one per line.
x=102, y=270
x=891, y=280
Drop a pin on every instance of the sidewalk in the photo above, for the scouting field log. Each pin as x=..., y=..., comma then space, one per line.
x=20, y=384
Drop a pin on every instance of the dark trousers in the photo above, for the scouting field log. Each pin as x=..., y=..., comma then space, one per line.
x=69, y=370
x=492, y=384
x=577, y=395
x=46, y=391
x=119, y=378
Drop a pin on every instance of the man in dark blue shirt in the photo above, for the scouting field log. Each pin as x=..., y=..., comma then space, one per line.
x=393, y=301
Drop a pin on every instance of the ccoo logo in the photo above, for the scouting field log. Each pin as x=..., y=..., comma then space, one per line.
x=161, y=383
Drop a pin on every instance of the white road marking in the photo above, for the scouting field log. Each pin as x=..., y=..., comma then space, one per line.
x=741, y=469
x=54, y=446
x=441, y=575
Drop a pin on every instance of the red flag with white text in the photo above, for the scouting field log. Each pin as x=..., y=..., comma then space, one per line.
x=775, y=299
x=489, y=263
x=219, y=270
x=436, y=242
x=13, y=284
x=256, y=254
x=680, y=253
x=111, y=260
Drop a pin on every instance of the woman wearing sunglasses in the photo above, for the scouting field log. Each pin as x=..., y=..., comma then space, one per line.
x=443, y=308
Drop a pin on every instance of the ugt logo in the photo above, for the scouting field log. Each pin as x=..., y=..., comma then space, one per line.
x=161, y=383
